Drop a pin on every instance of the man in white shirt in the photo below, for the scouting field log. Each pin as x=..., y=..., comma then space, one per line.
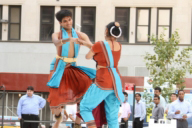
x=126, y=112
x=119, y=114
x=173, y=98
x=140, y=111
x=72, y=110
x=162, y=99
x=180, y=110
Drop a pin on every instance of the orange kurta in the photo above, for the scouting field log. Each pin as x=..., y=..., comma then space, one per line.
x=103, y=77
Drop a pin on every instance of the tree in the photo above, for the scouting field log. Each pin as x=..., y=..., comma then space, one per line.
x=168, y=64
x=148, y=102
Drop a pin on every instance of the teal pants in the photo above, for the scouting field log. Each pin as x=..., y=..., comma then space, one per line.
x=93, y=97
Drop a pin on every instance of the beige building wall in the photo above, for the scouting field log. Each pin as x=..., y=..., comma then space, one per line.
x=105, y=12
x=33, y=56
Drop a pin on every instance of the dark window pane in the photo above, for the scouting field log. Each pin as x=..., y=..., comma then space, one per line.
x=0, y=11
x=47, y=14
x=47, y=23
x=88, y=22
x=122, y=16
x=14, y=22
x=88, y=16
x=14, y=31
x=124, y=36
x=47, y=19
x=89, y=30
x=0, y=23
x=46, y=31
x=15, y=15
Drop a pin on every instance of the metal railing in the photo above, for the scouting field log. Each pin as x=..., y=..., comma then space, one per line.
x=2, y=96
x=42, y=121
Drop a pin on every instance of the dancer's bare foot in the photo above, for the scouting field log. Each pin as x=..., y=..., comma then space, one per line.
x=92, y=127
x=77, y=125
x=91, y=124
x=58, y=116
x=58, y=121
x=78, y=120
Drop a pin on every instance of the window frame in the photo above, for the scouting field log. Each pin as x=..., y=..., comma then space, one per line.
x=149, y=25
x=89, y=24
x=9, y=22
x=1, y=9
x=128, y=22
x=170, y=21
x=46, y=23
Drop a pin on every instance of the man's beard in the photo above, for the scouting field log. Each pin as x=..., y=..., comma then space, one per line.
x=180, y=99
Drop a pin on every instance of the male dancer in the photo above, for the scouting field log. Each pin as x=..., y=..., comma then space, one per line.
x=68, y=82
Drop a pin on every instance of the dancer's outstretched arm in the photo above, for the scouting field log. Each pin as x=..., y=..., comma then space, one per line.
x=60, y=42
x=84, y=40
x=90, y=55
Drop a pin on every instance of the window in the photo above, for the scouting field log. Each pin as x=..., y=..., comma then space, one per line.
x=0, y=22
x=72, y=10
x=14, y=22
x=143, y=19
x=46, y=23
x=122, y=16
x=123, y=71
x=88, y=22
x=164, y=21
x=141, y=71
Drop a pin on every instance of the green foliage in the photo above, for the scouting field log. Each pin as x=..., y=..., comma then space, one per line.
x=168, y=64
x=148, y=101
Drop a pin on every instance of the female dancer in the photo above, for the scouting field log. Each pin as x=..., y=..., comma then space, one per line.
x=107, y=86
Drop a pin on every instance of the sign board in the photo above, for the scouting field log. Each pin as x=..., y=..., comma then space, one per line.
x=10, y=118
x=162, y=123
x=129, y=87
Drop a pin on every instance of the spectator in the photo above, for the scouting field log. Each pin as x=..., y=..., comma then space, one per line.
x=119, y=115
x=140, y=112
x=180, y=110
x=29, y=106
x=158, y=110
x=173, y=98
x=162, y=99
x=126, y=112
x=72, y=111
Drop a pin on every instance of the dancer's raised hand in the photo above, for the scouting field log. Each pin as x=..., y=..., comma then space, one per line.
x=70, y=39
x=81, y=42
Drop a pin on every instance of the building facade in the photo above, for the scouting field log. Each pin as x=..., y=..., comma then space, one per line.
x=26, y=27
x=26, y=36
